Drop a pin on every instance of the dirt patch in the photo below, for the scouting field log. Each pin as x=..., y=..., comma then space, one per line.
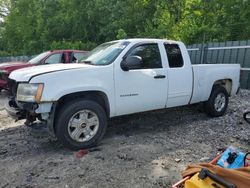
x=142, y=150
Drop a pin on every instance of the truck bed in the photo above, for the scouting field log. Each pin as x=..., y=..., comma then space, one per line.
x=204, y=76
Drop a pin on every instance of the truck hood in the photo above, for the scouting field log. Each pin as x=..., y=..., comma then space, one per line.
x=11, y=66
x=24, y=75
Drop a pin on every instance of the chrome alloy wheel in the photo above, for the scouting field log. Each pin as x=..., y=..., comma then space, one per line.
x=83, y=125
x=220, y=102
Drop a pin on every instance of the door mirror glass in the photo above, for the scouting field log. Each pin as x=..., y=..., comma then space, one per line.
x=131, y=62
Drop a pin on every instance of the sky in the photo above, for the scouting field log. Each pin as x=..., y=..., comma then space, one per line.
x=3, y=10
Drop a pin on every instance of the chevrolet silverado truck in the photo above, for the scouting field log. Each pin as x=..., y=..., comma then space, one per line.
x=118, y=78
x=49, y=57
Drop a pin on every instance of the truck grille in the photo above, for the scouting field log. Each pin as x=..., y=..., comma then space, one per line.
x=12, y=87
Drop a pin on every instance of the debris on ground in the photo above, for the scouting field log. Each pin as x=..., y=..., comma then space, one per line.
x=137, y=151
x=81, y=153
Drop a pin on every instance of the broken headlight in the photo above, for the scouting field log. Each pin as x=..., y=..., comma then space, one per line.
x=27, y=92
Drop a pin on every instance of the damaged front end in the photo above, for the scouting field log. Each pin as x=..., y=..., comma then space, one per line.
x=10, y=104
x=21, y=105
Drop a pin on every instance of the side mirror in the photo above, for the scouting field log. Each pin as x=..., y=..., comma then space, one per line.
x=131, y=62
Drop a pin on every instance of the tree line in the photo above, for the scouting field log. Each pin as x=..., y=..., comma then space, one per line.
x=31, y=26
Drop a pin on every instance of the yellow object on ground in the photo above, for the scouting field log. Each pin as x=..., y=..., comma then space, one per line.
x=196, y=182
x=239, y=177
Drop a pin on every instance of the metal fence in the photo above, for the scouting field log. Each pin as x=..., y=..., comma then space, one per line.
x=214, y=52
x=224, y=52
x=15, y=58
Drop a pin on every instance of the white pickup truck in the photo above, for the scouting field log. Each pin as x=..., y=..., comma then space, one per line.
x=117, y=78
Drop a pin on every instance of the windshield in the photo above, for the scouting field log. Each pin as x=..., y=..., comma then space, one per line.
x=105, y=53
x=38, y=58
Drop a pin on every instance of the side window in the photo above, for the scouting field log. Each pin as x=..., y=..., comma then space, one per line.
x=77, y=56
x=150, y=55
x=174, y=55
x=53, y=59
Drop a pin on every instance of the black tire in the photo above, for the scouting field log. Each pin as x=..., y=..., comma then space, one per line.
x=67, y=111
x=246, y=116
x=209, y=106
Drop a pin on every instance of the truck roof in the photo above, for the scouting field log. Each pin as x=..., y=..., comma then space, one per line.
x=150, y=40
x=68, y=50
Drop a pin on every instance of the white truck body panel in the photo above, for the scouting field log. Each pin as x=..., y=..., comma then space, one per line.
x=135, y=90
x=206, y=75
x=61, y=83
x=27, y=73
x=148, y=93
x=180, y=81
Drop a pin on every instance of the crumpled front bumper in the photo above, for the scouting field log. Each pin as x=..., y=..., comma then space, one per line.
x=13, y=110
x=20, y=110
x=29, y=110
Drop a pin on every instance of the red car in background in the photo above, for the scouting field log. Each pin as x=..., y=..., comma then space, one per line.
x=49, y=57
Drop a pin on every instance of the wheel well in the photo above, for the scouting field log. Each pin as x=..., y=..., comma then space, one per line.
x=226, y=83
x=97, y=96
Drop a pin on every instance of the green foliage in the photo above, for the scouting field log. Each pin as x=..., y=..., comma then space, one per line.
x=121, y=34
x=32, y=26
x=214, y=20
x=78, y=45
x=4, y=54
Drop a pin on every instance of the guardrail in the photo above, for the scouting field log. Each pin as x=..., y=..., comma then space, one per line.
x=228, y=48
x=15, y=58
x=245, y=69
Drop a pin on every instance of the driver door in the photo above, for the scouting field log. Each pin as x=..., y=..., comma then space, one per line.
x=143, y=88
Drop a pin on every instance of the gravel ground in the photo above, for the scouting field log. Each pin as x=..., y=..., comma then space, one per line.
x=143, y=150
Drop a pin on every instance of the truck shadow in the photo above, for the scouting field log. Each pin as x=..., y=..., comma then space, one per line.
x=36, y=138
x=155, y=121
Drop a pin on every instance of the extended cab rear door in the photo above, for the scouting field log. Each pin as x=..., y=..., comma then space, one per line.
x=144, y=88
x=180, y=75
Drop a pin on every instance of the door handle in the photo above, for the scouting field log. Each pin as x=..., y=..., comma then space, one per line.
x=159, y=76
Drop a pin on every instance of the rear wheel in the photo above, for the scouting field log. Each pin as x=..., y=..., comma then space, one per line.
x=81, y=124
x=217, y=102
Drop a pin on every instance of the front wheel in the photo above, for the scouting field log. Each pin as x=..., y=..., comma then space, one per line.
x=81, y=124
x=217, y=103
